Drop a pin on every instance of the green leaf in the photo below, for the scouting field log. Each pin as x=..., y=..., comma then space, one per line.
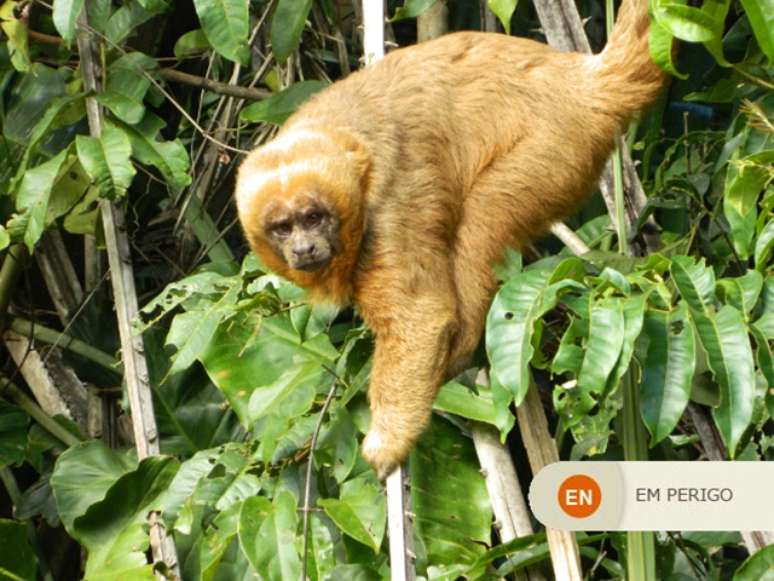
x=91, y=462
x=226, y=25
x=277, y=108
x=17, y=560
x=267, y=535
x=741, y=292
x=730, y=358
x=191, y=332
x=453, y=513
x=745, y=179
x=724, y=338
x=5, y=238
x=82, y=219
x=763, y=354
x=126, y=86
x=457, y=399
x=107, y=160
x=35, y=93
x=668, y=370
x=660, y=42
x=18, y=43
x=503, y=9
x=115, y=529
x=69, y=187
x=169, y=157
x=13, y=434
x=191, y=44
x=250, y=354
x=511, y=320
x=287, y=24
x=757, y=567
x=360, y=511
x=66, y=16
x=685, y=22
x=33, y=197
x=291, y=395
x=412, y=9
x=605, y=341
x=764, y=245
x=125, y=21
x=717, y=10
x=761, y=16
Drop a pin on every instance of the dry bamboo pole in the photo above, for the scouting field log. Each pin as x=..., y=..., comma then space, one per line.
x=122, y=277
x=398, y=522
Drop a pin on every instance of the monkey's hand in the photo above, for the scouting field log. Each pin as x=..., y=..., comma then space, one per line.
x=409, y=366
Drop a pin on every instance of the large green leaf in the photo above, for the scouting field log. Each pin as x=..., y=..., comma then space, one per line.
x=106, y=160
x=249, y=354
x=219, y=479
x=449, y=497
x=761, y=15
x=741, y=292
x=169, y=157
x=192, y=331
x=33, y=196
x=360, y=511
x=115, y=529
x=668, y=370
x=287, y=24
x=512, y=318
x=17, y=560
x=226, y=25
x=34, y=94
x=757, y=567
x=126, y=86
x=267, y=535
x=277, y=108
x=91, y=462
x=66, y=16
x=727, y=345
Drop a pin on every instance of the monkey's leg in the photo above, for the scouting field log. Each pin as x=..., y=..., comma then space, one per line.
x=410, y=362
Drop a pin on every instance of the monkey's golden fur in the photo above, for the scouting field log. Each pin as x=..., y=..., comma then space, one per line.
x=435, y=160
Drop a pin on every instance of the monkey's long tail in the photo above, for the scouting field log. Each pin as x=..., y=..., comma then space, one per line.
x=626, y=77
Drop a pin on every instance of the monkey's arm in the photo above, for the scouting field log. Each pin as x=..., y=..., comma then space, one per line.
x=410, y=362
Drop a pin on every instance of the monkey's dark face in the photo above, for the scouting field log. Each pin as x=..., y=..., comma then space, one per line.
x=303, y=232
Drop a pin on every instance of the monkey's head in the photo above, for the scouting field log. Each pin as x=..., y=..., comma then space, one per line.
x=303, y=230
x=301, y=202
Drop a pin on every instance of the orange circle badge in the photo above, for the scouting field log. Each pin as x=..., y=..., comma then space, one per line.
x=579, y=496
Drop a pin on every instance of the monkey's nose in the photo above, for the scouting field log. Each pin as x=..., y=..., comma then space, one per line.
x=304, y=250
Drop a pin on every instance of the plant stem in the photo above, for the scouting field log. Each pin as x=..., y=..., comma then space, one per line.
x=53, y=337
x=640, y=546
x=26, y=403
x=9, y=274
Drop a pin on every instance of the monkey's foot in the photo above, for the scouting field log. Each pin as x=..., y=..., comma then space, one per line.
x=384, y=452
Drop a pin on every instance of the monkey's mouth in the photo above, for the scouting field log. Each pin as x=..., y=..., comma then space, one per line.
x=310, y=264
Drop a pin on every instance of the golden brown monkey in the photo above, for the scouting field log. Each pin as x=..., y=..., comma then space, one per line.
x=399, y=186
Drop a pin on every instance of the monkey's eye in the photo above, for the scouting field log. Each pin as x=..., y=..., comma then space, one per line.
x=282, y=229
x=313, y=218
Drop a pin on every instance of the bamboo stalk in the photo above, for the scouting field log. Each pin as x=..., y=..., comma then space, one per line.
x=124, y=294
x=541, y=451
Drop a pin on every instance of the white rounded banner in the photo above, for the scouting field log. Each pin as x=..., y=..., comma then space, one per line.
x=654, y=496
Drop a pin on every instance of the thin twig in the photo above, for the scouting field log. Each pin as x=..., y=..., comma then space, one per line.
x=227, y=89
x=308, y=483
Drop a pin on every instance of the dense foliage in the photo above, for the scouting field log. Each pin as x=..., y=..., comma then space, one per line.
x=245, y=375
